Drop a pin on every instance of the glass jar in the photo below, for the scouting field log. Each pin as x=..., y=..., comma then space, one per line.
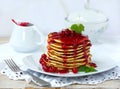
x=95, y=22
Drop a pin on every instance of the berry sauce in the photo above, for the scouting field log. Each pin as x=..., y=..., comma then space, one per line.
x=67, y=38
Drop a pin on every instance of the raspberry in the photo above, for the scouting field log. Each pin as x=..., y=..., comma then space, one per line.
x=53, y=69
x=63, y=71
x=45, y=68
x=44, y=56
x=67, y=32
x=75, y=70
x=43, y=59
x=93, y=64
x=42, y=62
x=62, y=34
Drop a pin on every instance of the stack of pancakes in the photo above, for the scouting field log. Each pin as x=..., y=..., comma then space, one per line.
x=68, y=49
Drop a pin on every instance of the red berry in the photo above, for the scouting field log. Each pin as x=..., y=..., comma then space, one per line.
x=42, y=62
x=93, y=64
x=63, y=71
x=75, y=70
x=44, y=56
x=45, y=68
x=67, y=32
x=62, y=33
x=53, y=69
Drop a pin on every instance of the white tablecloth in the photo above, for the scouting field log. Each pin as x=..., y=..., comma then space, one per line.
x=111, y=49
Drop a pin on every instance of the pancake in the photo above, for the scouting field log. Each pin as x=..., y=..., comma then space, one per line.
x=69, y=57
x=60, y=47
x=69, y=60
x=66, y=50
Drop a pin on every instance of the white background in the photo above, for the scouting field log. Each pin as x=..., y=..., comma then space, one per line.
x=49, y=15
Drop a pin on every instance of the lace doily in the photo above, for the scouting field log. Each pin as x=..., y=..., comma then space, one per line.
x=64, y=81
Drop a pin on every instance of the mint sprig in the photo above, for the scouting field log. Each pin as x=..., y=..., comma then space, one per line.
x=78, y=28
x=86, y=69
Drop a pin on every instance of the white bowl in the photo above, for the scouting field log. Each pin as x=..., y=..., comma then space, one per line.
x=94, y=21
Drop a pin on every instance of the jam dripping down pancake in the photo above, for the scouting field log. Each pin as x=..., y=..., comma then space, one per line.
x=66, y=50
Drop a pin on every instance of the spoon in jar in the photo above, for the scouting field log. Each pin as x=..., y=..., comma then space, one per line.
x=21, y=23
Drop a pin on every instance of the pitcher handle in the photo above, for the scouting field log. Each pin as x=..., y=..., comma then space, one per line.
x=42, y=38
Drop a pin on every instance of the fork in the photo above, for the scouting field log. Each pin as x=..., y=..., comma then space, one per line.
x=15, y=68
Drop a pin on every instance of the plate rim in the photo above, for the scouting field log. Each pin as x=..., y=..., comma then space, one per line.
x=69, y=74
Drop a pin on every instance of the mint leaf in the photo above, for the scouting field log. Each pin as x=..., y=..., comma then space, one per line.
x=74, y=26
x=78, y=28
x=81, y=27
x=86, y=69
x=82, y=68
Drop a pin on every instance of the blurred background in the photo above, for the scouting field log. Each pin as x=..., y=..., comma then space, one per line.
x=48, y=15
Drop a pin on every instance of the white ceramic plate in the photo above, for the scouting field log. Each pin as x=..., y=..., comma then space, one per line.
x=103, y=64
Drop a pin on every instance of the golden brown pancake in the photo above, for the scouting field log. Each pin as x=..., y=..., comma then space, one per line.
x=67, y=50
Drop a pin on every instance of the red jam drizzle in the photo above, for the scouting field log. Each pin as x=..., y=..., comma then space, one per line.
x=64, y=47
x=85, y=53
x=67, y=38
x=75, y=50
x=93, y=64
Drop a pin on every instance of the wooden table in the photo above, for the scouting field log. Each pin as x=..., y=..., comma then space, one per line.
x=5, y=82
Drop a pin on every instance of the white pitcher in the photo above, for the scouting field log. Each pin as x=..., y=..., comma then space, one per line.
x=26, y=38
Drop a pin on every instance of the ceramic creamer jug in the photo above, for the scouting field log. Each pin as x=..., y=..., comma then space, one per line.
x=26, y=38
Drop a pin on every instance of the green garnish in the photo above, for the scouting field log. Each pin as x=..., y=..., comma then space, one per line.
x=78, y=28
x=86, y=69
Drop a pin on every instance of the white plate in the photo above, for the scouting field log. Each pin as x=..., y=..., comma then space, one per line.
x=103, y=64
